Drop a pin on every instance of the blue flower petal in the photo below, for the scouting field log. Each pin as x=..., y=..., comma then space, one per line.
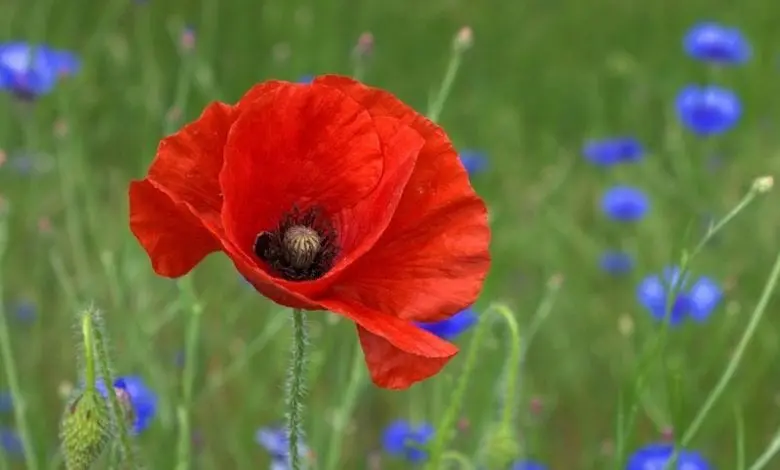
x=10, y=443
x=65, y=63
x=652, y=295
x=24, y=311
x=275, y=441
x=474, y=161
x=401, y=439
x=306, y=79
x=142, y=400
x=394, y=437
x=612, y=151
x=30, y=71
x=696, y=301
x=705, y=295
x=528, y=465
x=708, y=110
x=452, y=327
x=713, y=42
x=656, y=456
x=616, y=262
x=6, y=402
x=625, y=203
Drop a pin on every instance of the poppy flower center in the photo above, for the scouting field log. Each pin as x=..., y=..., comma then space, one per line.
x=301, y=248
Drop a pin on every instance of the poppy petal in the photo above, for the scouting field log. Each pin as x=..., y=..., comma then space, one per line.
x=412, y=256
x=361, y=226
x=297, y=146
x=262, y=281
x=397, y=352
x=188, y=163
x=379, y=102
x=174, y=238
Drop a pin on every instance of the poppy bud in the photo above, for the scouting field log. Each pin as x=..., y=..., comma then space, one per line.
x=502, y=447
x=85, y=431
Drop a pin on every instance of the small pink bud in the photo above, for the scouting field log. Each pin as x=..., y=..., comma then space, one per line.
x=536, y=405
x=44, y=225
x=365, y=44
x=187, y=39
x=464, y=39
x=464, y=424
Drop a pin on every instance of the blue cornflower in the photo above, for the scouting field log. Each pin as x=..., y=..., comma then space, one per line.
x=625, y=203
x=6, y=402
x=708, y=110
x=713, y=42
x=656, y=456
x=142, y=399
x=696, y=301
x=276, y=442
x=24, y=311
x=612, y=151
x=452, y=327
x=474, y=161
x=528, y=465
x=10, y=443
x=616, y=262
x=306, y=79
x=402, y=439
x=30, y=71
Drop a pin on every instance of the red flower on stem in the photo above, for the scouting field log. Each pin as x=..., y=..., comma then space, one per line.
x=326, y=196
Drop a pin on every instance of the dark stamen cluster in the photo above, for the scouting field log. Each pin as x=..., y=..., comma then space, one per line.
x=302, y=247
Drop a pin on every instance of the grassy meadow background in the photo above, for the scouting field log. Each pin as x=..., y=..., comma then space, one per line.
x=542, y=77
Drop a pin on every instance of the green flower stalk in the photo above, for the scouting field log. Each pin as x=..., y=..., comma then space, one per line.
x=96, y=419
x=85, y=431
x=502, y=447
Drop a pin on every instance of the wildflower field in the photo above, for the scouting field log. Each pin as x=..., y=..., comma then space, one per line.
x=222, y=221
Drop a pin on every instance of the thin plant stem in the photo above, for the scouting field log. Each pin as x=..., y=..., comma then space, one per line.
x=195, y=310
x=509, y=409
x=739, y=420
x=436, y=105
x=100, y=349
x=296, y=387
x=88, y=334
x=447, y=424
x=771, y=452
x=736, y=358
x=463, y=462
x=442, y=438
x=9, y=363
x=657, y=348
x=356, y=376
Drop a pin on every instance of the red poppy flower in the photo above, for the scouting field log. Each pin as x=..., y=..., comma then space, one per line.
x=325, y=196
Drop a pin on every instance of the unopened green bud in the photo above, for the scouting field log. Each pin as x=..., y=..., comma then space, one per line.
x=85, y=431
x=502, y=447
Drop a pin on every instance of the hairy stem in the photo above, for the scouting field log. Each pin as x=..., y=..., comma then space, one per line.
x=100, y=351
x=183, y=461
x=296, y=387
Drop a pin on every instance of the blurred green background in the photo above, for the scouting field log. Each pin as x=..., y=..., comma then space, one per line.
x=542, y=77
